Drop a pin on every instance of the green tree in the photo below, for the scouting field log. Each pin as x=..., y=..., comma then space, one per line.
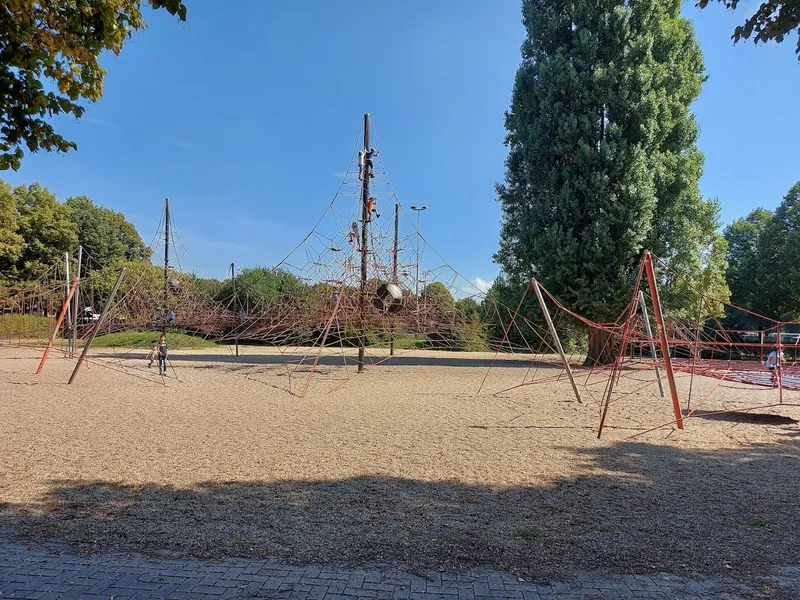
x=743, y=237
x=773, y=21
x=437, y=297
x=777, y=292
x=105, y=234
x=57, y=43
x=205, y=287
x=47, y=228
x=12, y=244
x=262, y=286
x=147, y=278
x=602, y=160
x=468, y=310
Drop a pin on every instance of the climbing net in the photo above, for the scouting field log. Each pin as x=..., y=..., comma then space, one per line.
x=654, y=350
x=365, y=279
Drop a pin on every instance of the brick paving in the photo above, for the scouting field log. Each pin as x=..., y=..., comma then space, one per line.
x=47, y=572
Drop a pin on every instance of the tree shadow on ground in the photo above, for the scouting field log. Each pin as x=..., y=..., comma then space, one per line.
x=331, y=360
x=638, y=507
x=743, y=417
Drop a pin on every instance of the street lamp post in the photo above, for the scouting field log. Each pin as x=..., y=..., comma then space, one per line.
x=416, y=284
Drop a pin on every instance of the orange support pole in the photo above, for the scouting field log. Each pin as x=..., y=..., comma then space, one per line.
x=662, y=334
x=58, y=324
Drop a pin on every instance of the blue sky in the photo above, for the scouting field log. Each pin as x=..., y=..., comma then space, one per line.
x=243, y=114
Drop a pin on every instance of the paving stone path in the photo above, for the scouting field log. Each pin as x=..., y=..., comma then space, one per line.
x=46, y=571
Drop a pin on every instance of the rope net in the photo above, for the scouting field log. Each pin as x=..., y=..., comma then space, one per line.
x=323, y=301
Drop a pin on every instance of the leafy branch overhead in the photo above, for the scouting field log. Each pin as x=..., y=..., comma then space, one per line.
x=773, y=21
x=49, y=53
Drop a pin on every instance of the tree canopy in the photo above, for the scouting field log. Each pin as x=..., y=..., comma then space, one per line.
x=36, y=230
x=773, y=21
x=46, y=229
x=777, y=281
x=261, y=285
x=56, y=45
x=743, y=236
x=602, y=154
x=437, y=297
x=106, y=234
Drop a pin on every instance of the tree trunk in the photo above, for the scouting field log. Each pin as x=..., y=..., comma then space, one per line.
x=601, y=348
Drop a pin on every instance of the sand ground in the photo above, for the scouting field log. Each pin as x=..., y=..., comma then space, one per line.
x=403, y=464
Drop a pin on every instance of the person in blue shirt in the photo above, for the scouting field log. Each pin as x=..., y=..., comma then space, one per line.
x=371, y=154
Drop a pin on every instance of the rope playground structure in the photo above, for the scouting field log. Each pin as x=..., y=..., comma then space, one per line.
x=364, y=286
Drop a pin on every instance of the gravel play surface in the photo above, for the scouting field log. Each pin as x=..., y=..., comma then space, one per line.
x=403, y=464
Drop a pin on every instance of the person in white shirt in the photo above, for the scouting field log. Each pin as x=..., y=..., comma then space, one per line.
x=773, y=365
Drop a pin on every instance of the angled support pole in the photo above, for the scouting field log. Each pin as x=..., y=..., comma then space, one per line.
x=75, y=304
x=556, y=341
x=322, y=343
x=662, y=334
x=649, y=331
x=97, y=325
x=58, y=325
x=68, y=323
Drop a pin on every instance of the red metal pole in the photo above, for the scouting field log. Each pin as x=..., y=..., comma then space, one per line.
x=662, y=334
x=58, y=324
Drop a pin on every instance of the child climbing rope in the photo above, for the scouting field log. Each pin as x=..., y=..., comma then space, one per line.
x=371, y=208
x=360, y=165
x=353, y=236
x=371, y=154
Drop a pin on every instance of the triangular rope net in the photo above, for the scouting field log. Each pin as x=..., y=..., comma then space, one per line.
x=323, y=310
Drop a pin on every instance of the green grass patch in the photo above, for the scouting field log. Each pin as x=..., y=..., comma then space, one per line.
x=145, y=339
x=529, y=533
x=24, y=326
x=760, y=523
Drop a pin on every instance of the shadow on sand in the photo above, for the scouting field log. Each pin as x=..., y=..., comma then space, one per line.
x=328, y=360
x=637, y=507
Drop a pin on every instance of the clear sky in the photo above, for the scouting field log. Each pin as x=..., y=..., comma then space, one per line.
x=244, y=115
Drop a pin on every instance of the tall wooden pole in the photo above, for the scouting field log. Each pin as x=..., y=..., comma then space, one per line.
x=649, y=331
x=68, y=321
x=556, y=341
x=166, y=268
x=75, y=303
x=97, y=325
x=394, y=263
x=235, y=313
x=662, y=334
x=362, y=302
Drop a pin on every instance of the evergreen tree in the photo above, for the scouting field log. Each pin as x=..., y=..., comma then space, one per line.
x=602, y=159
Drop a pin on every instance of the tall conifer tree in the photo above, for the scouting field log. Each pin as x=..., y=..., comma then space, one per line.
x=602, y=160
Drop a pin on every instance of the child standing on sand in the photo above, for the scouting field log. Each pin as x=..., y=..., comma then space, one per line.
x=151, y=356
x=162, y=356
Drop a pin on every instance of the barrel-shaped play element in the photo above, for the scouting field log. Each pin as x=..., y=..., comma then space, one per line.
x=388, y=298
